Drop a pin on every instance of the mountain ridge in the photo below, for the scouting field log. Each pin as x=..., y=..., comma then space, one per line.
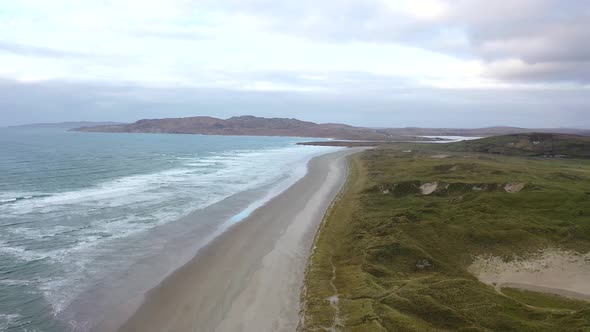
x=258, y=126
x=65, y=124
x=483, y=132
x=242, y=125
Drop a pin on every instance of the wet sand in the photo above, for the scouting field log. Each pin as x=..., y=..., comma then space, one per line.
x=250, y=277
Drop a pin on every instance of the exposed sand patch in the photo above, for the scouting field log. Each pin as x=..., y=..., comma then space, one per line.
x=552, y=271
x=513, y=187
x=440, y=156
x=428, y=188
x=478, y=188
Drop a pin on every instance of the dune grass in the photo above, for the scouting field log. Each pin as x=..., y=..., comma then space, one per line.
x=541, y=300
x=528, y=144
x=389, y=258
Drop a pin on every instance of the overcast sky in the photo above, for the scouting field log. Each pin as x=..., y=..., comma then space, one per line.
x=459, y=63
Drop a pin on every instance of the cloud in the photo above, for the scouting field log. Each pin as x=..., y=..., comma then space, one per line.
x=404, y=106
x=547, y=36
x=39, y=51
x=443, y=43
x=366, y=62
x=548, y=71
x=171, y=32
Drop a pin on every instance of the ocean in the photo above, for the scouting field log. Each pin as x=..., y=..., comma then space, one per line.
x=90, y=221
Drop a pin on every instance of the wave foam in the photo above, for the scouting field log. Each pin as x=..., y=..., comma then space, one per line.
x=74, y=228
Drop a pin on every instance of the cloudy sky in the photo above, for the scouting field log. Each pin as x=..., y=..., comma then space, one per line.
x=459, y=63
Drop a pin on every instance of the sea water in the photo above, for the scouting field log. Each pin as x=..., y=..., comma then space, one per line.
x=83, y=215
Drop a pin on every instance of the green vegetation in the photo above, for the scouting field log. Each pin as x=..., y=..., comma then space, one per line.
x=541, y=300
x=530, y=144
x=392, y=255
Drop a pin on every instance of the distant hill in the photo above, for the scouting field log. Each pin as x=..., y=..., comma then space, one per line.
x=529, y=144
x=244, y=125
x=479, y=132
x=65, y=125
x=258, y=126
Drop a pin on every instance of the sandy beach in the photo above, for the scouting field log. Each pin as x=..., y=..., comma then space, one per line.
x=250, y=277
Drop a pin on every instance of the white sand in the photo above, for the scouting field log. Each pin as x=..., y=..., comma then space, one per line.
x=440, y=156
x=513, y=187
x=428, y=188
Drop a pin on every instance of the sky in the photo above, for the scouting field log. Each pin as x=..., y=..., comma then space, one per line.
x=381, y=63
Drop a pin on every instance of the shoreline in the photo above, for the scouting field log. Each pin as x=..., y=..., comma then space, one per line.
x=255, y=269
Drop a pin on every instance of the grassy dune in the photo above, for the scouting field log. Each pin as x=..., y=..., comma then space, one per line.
x=393, y=253
x=544, y=300
x=529, y=144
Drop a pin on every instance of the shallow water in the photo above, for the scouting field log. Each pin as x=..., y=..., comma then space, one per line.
x=81, y=213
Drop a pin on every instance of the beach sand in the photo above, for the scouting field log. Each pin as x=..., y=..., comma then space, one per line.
x=250, y=277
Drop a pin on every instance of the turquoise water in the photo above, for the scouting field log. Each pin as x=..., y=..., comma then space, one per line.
x=77, y=209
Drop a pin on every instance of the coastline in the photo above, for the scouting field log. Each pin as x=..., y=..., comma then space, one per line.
x=252, y=272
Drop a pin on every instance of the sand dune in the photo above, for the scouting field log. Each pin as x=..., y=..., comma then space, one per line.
x=552, y=271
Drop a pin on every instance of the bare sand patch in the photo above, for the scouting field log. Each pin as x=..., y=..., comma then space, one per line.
x=553, y=271
x=513, y=187
x=428, y=188
x=440, y=156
